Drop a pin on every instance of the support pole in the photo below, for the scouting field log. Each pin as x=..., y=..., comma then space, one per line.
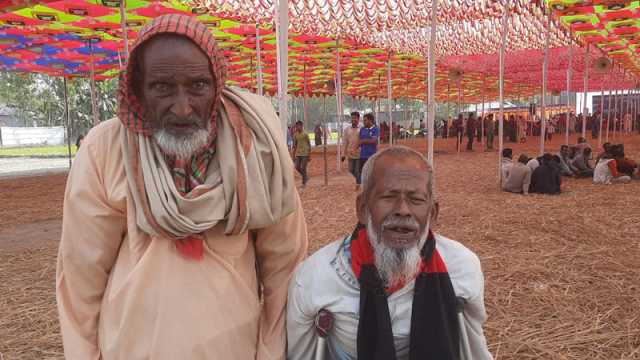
x=282, y=60
x=66, y=117
x=431, y=91
x=569, y=73
x=304, y=94
x=94, y=104
x=601, y=112
x=123, y=27
x=482, y=141
x=545, y=66
x=324, y=141
x=339, y=104
x=609, y=111
x=389, y=95
x=501, y=91
x=616, y=98
x=259, y=62
x=586, y=89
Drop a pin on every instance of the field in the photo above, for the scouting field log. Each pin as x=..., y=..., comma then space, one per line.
x=562, y=272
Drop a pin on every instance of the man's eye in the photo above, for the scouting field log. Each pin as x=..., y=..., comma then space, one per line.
x=161, y=87
x=200, y=85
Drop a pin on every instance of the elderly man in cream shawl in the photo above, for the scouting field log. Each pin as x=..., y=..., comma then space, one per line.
x=182, y=225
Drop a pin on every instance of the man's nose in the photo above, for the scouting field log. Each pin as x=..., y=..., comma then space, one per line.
x=402, y=207
x=182, y=107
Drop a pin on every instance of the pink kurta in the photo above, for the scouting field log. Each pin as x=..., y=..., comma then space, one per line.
x=125, y=295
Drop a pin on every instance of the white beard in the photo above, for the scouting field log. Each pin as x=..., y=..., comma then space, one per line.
x=395, y=266
x=181, y=147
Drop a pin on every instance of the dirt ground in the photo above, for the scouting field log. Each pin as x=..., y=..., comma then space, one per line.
x=561, y=272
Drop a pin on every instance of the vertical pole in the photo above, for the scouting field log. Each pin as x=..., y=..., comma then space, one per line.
x=304, y=95
x=569, y=73
x=66, y=117
x=586, y=89
x=545, y=65
x=339, y=103
x=601, y=112
x=616, y=98
x=482, y=141
x=94, y=105
x=609, y=111
x=431, y=91
x=324, y=142
x=123, y=27
x=282, y=60
x=501, y=91
x=389, y=94
x=259, y=61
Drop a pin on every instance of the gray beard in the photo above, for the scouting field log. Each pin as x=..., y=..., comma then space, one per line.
x=181, y=147
x=395, y=265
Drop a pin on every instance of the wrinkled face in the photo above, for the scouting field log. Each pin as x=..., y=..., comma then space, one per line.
x=397, y=213
x=177, y=93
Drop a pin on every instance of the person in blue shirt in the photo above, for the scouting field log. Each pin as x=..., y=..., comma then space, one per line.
x=368, y=140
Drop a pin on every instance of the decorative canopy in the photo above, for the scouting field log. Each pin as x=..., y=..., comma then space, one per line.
x=64, y=37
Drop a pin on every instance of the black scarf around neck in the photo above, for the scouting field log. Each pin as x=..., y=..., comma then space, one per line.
x=435, y=332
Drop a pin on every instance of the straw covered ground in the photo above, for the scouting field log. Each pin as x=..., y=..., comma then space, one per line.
x=562, y=272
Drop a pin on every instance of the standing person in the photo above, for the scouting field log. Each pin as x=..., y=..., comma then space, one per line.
x=181, y=225
x=394, y=284
x=479, y=133
x=489, y=128
x=351, y=149
x=368, y=140
x=458, y=125
x=471, y=131
x=301, y=151
x=318, y=134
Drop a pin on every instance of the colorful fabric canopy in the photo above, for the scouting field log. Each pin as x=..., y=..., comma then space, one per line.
x=63, y=38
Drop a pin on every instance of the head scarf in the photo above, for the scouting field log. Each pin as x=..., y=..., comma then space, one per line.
x=191, y=172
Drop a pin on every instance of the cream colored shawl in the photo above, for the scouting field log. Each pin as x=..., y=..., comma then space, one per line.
x=249, y=182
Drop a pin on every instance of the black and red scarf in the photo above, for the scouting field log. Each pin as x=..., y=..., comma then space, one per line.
x=434, y=324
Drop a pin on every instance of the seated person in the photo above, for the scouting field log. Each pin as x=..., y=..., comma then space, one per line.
x=533, y=163
x=519, y=177
x=606, y=171
x=581, y=163
x=606, y=149
x=566, y=168
x=506, y=163
x=545, y=179
x=582, y=145
x=392, y=284
x=625, y=165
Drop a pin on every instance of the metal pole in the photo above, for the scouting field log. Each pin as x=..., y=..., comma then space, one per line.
x=389, y=94
x=304, y=95
x=601, y=112
x=431, y=91
x=123, y=27
x=482, y=141
x=324, y=141
x=66, y=117
x=609, y=111
x=569, y=73
x=615, y=112
x=501, y=90
x=545, y=66
x=586, y=88
x=282, y=35
x=259, y=61
x=339, y=103
x=94, y=105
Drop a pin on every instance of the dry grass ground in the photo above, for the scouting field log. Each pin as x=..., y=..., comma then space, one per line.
x=562, y=278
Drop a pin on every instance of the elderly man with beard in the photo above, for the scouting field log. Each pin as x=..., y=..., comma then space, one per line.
x=392, y=285
x=182, y=225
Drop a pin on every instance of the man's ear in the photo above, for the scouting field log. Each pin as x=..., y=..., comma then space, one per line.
x=435, y=210
x=361, y=209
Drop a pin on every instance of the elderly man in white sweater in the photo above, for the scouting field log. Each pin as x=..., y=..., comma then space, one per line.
x=393, y=286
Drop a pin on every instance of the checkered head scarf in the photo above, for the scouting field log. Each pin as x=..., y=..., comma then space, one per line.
x=187, y=173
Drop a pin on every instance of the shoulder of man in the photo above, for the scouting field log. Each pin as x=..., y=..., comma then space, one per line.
x=317, y=270
x=463, y=266
x=104, y=136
